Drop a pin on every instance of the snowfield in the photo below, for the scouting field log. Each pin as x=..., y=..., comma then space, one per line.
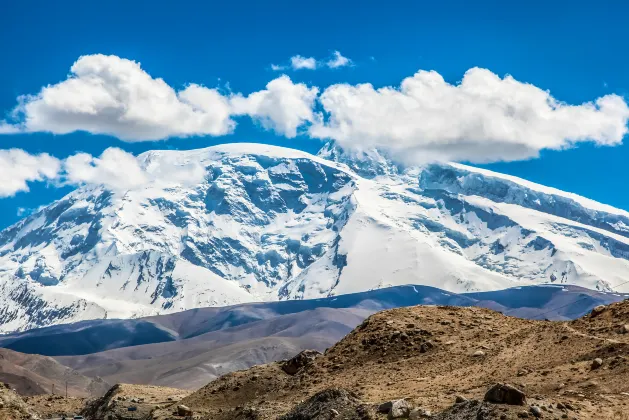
x=270, y=223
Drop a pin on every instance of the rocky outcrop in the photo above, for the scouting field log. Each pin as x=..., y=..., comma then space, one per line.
x=505, y=394
x=303, y=359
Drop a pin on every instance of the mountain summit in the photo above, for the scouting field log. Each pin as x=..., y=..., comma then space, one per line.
x=269, y=223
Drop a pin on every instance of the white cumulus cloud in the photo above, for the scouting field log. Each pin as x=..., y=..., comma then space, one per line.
x=6, y=128
x=338, y=61
x=115, y=96
x=118, y=170
x=18, y=168
x=484, y=118
x=298, y=62
x=283, y=106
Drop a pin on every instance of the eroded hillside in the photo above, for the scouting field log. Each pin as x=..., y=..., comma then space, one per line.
x=430, y=355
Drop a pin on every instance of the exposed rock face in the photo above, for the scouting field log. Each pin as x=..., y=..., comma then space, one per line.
x=303, y=359
x=505, y=394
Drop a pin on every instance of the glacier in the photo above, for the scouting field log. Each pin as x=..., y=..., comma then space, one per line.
x=270, y=223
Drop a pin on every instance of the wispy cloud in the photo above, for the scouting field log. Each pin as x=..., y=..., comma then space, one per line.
x=299, y=62
x=338, y=61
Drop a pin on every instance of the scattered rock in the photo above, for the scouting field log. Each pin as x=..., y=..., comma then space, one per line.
x=425, y=346
x=505, y=394
x=304, y=358
x=536, y=411
x=419, y=413
x=624, y=329
x=597, y=363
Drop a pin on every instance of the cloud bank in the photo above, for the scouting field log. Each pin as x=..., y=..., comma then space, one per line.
x=482, y=118
x=115, y=96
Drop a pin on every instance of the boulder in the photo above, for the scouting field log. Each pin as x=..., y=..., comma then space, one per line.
x=597, y=310
x=505, y=394
x=597, y=363
x=399, y=410
x=184, y=410
x=536, y=411
x=304, y=358
x=478, y=353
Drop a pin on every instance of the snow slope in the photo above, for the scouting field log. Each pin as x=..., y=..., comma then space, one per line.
x=271, y=223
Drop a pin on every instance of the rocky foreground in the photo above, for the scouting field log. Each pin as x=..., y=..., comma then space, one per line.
x=441, y=363
x=437, y=362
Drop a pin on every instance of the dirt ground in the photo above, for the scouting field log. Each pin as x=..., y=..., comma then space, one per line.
x=53, y=406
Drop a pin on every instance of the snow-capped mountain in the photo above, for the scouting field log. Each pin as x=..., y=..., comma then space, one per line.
x=270, y=223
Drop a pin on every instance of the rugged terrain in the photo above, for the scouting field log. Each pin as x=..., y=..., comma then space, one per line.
x=268, y=224
x=191, y=348
x=130, y=402
x=430, y=355
x=434, y=361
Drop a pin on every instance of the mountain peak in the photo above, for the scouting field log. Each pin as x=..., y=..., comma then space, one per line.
x=267, y=223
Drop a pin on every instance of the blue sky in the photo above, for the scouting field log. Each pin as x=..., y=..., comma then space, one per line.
x=576, y=50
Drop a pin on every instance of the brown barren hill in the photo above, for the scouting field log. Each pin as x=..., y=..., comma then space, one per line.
x=433, y=356
x=32, y=374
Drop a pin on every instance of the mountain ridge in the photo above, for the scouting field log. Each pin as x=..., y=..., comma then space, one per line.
x=270, y=223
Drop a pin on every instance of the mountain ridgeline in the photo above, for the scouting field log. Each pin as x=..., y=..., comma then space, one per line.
x=269, y=223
